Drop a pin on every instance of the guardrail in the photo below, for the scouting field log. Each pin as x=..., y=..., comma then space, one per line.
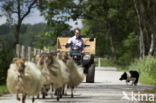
x=28, y=52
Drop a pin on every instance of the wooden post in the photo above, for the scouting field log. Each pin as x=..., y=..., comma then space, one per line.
x=18, y=50
x=29, y=54
x=23, y=52
x=35, y=52
x=38, y=51
x=99, y=62
x=48, y=50
x=42, y=51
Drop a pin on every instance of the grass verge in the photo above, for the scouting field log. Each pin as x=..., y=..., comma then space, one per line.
x=3, y=90
x=146, y=79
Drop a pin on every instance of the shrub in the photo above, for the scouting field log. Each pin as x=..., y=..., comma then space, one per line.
x=5, y=59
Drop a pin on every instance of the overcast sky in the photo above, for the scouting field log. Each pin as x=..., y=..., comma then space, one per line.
x=35, y=17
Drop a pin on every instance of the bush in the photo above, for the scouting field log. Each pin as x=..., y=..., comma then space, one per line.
x=5, y=59
x=147, y=68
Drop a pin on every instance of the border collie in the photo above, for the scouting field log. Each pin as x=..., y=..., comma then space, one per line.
x=130, y=76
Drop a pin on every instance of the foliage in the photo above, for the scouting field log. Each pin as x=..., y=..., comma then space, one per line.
x=114, y=24
x=16, y=11
x=6, y=56
x=57, y=14
x=43, y=40
x=107, y=21
x=129, y=50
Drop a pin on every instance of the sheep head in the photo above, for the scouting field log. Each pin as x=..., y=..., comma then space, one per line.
x=46, y=58
x=36, y=59
x=49, y=59
x=20, y=63
x=40, y=60
x=63, y=56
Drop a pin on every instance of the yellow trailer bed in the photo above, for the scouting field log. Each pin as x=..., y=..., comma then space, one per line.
x=61, y=41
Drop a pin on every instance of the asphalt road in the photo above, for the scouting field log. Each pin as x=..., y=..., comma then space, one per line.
x=106, y=89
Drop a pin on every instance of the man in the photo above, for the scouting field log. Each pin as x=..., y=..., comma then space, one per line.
x=76, y=40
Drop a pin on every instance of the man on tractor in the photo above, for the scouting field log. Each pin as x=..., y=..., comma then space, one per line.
x=76, y=41
x=84, y=59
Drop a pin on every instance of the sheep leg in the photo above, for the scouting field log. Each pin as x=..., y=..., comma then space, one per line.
x=33, y=99
x=17, y=97
x=43, y=92
x=72, y=95
x=65, y=90
x=58, y=98
x=43, y=95
x=57, y=93
x=23, y=98
x=38, y=96
x=52, y=90
x=61, y=92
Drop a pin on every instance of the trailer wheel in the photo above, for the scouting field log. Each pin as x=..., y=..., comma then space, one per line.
x=90, y=74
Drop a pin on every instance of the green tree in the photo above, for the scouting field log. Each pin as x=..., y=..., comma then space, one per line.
x=111, y=22
x=16, y=11
x=146, y=16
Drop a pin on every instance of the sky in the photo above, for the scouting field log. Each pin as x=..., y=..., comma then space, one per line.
x=2, y=20
x=35, y=18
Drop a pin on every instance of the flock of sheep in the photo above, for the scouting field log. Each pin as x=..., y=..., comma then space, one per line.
x=57, y=71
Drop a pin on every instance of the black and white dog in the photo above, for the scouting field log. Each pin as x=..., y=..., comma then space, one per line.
x=130, y=76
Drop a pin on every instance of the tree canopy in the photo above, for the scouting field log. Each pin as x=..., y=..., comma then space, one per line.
x=124, y=29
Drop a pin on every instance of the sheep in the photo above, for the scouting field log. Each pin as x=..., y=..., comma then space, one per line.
x=24, y=77
x=55, y=70
x=76, y=74
x=47, y=84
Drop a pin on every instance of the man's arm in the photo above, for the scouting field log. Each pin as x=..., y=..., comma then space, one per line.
x=83, y=45
x=68, y=44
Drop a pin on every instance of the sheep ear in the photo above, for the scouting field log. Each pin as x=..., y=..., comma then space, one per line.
x=24, y=60
x=14, y=60
x=33, y=59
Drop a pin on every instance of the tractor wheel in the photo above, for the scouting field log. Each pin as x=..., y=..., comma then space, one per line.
x=90, y=74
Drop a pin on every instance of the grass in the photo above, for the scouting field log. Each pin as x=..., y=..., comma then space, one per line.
x=106, y=62
x=143, y=66
x=146, y=79
x=3, y=89
x=146, y=67
x=110, y=63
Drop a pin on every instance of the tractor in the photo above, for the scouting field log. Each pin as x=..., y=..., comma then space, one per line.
x=84, y=59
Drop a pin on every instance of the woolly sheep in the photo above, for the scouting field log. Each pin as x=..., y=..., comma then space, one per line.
x=46, y=75
x=76, y=74
x=54, y=69
x=24, y=77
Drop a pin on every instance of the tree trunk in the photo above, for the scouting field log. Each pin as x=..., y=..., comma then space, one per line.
x=154, y=25
x=17, y=33
x=111, y=41
x=141, y=36
x=152, y=45
x=141, y=44
x=112, y=47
